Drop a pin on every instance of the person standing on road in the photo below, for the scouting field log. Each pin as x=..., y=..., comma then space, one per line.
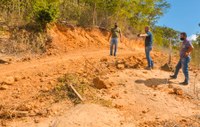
x=185, y=58
x=114, y=35
x=148, y=46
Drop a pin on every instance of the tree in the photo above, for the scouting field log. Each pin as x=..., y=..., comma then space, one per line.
x=147, y=12
x=45, y=12
x=128, y=13
x=198, y=39
x=165, y=35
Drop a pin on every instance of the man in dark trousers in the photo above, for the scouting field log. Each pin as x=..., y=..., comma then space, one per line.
x=184, y=60
x=148, y=46
x=115, y=33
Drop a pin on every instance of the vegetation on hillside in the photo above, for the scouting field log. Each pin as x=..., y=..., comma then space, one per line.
x=131, y=15
x=135, y=13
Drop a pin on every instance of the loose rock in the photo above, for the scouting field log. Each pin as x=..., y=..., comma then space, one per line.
x=9, y=81
x=3, y=87
x=120, y=66
x=99, y=84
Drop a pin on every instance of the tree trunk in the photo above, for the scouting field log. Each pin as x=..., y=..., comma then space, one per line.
x=78, y=2
x=94, y=15
x=170, y=52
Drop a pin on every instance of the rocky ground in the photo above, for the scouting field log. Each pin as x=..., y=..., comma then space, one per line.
x=115, y=91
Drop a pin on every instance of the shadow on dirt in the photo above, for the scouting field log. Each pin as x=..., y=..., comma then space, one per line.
x=3, y=62
x=153, y=82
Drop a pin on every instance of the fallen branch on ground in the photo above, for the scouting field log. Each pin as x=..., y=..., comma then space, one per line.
x=76, y=92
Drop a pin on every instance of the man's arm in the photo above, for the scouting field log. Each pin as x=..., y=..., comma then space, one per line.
x=143, y=35
x=120, y=34
x=109, y=36
x=187, y=53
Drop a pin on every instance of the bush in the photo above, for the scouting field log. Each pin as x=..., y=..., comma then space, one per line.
x=45, y=12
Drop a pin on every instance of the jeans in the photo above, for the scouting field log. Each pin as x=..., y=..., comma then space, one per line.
x=183, y=62
x=114, y=42
x=148, y=57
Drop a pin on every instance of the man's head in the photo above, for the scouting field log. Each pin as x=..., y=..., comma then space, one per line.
x=183, y=36
x=116, y=25
x=146, y=29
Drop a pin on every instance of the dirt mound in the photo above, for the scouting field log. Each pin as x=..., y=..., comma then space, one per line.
x=68, y=38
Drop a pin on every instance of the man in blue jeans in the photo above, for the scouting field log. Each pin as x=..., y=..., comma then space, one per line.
x=148, y=46
x=115, y=33
x=183, y=63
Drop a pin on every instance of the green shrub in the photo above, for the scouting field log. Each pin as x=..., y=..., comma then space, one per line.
x=45, y=12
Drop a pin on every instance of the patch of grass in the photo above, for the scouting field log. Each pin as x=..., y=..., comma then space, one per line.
x=81, y=84
x=60, y=92
x=84, y=88
x=69, y=78
x=24, y=41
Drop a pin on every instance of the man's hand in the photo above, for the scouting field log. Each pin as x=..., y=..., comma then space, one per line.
x=186, y=54
x=121, y=39
x=109, y=38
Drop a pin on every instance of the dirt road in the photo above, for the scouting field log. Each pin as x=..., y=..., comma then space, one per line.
x=34, y=94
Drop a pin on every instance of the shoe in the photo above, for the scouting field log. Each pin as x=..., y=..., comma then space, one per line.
x=173, y=77
x=152, y=65
x=184, y=83
x=148, y=68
